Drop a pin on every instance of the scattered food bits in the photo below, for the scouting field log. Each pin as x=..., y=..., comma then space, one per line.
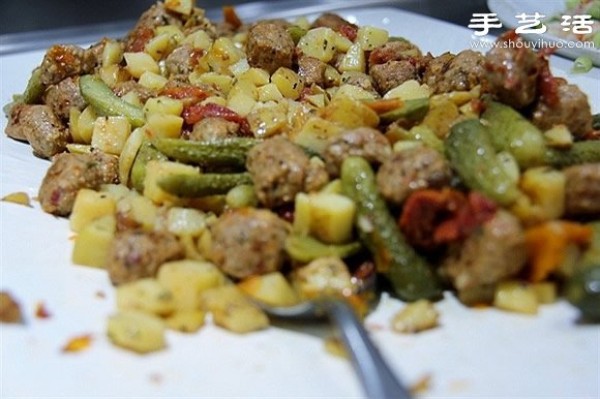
x=78, y=344
x=10, y=311
x=334, y=346
x=415, y=317
x=41, y=312
x=20, y=198
x=422, y=385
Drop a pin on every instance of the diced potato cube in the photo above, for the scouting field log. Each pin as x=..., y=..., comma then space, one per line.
x=331, y=217
x=441, y=117
x=199, y=39
x=116, y=191
x=354, y=60
x=129, y=152
x=85, y=125
x=269, y=92
x=221, y=82
x=215, y=100
x=174, y=33
x=112, y=74
x=138, y=63
x=544, y=198
x=318, y=100
x=137, y=331
x=238, y=68
x=163, y=105
x=410, y=90
x=302, y=214
x=545, y=292
x=354, y=92
x=256, y=76
x=559, y=136
x=159, y=46
x=272, y=289
x=138, y=211
x=88, y=206
x=157, y=170
x=371, y=37
x=164, y=125
x=241, y=103
x=110, y=134
x=415, y=317
x=516, y=296
x=268, y=121
x=74, y=114
x=342, y=43
x=93, y=242
x=188, y=279
x=319, y=43
x=323, y=277
x=145, y=295
x=232, y=310
x=75, y=148
x=187, y=321
x=112, y=53
x=132, y=98
x=184, y=7
x=245, y=88
x=152, y=81
x=288, y=82
x=223, y=54
x=349, y=113
x=186, y=221
x=316, y=133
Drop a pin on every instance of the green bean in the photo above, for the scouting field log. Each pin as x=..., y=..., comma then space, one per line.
x=202, y=184
x=106, y=103
x=35, y=88
x=296, y=33
x=411, y=110
x=226, y=152
x=305, y=249
x=410, y=275
x=580, y=152
x=146, y=153
x=473, y=156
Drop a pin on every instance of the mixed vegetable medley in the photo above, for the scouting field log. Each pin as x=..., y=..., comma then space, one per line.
x=208, y=167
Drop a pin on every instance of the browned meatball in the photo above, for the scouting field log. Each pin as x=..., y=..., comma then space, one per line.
x=214, y=128
x=493, y=253
x=396, y=50
x=280, y=169
x=512, y=73
x=143, y=93
x=364, y=142
x=63, y=96
x=248, y=241
x=450, y=72
x=269, y=46
x=143, y=31
x=410, y=170
x=182, y=60
x=40, y=127
x=333, y=21
x=135, y=254
x=571, y=109
x=392, y=74
x=312, y=70
x=582, y=190
x=63, y=61
x=71, y=172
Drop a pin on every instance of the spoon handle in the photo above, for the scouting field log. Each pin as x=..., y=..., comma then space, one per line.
x=378, y=380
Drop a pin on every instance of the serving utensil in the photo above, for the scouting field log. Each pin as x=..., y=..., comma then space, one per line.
x=378, y=380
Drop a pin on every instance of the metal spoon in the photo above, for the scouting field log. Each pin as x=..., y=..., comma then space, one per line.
x=378, y=380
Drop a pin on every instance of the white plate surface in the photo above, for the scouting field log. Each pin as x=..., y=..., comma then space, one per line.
x=508, y=9
x=474, y=353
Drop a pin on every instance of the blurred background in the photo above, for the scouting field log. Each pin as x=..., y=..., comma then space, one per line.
x=26, y=16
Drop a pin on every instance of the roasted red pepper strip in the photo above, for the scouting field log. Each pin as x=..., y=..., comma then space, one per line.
x=138, y=39
x=349, y=31
x=548, y=85
x=434, y=217
x=197, y=112
x=182, y=92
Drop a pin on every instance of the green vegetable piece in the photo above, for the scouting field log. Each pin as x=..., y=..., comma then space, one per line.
x=35, y=88
x=226, y=152
x=583, y=292
x=422, y=134
x=510, y=131
x=305, y=249
x=296, y=32
x=580, y=152
x=105, y=102
x=582, y=64
x=411, y=110
x=596, y=39
x=410, y=275
x=596, y=120
x=472, y=155
x=146, y=153
x=202, y=184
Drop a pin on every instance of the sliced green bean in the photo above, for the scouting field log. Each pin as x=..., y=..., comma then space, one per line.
x=411, y=110
x=305, y=249
x=35, y=88
x=146, y=153
x=202, y=184
x=226, y=152
x=410, y=275
x=105, y=102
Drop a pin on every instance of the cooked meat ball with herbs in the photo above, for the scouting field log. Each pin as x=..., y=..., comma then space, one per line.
x=63, y=96
x=449, y=72
x=269, y=46
x=364, y=142
x=582, y=190
x=410, y=170
x=248, y=242
x=71, y=172
x=281, y=169
x=214, y=128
